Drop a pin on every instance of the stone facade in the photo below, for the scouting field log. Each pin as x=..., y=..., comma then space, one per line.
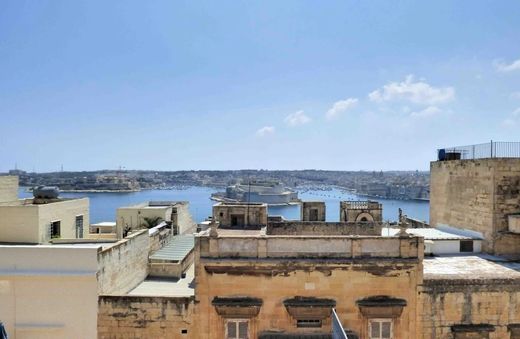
x=293, y=276
x=313, y=211
x=122, y=317
x=478, y=195
x=240, y=215
x=323, y=228
x=360, y=211
x=460, y=308
x=123, y=266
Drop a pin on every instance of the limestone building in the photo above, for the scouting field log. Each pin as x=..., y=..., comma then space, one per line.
x=37, y=221
x=240, y=215
x=313, y=211
x=481, y=195
x=140, y=215
x=361, y=211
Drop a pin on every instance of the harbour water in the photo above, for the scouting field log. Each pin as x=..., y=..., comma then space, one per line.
x=103, y=206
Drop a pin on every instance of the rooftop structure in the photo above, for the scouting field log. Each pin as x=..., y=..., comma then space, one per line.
x=240, y=215
x=479, y=194
x=151, y=213
x=39, y=220
x=361, y=211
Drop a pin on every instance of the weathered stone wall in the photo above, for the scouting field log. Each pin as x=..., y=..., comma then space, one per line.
x=446, y=303
x=345, y=269
x=275, y=282
x=184, y=220
x=123, y=266
x=252, y=215
x=476, y=195
x=310, y=247
x=322, y=228
x=8, y=188
x=313, y=211
x=145, y=317
x=354, y=211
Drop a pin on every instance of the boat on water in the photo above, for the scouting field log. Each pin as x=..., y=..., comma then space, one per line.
x=269, y=192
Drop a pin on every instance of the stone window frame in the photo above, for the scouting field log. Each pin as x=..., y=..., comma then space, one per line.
x=380, y=321
x=237, y=322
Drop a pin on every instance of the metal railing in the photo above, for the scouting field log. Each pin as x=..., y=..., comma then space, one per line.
x=492, y=149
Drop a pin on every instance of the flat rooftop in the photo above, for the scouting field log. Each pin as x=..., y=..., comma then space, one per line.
x=157, y=287
x=156, y=204
x=470, y=267
x=426, y=233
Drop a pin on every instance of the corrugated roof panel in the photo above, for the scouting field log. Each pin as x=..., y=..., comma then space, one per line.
x=176, y=250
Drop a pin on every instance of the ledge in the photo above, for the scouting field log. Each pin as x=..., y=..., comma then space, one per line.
x=309, y=307
x=462, y=328
x=381, y=306
x=381, y=301
x=237, y=307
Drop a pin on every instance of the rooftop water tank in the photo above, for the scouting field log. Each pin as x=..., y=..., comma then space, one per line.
x=46, y=192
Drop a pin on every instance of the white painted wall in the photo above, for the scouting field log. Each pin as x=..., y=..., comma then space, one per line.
x=48, y=291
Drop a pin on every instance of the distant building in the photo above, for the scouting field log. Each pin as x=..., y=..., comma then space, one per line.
x=141, y=215
x=271, y=193
x=361, y=211
x=240, y=215
x=313, y=211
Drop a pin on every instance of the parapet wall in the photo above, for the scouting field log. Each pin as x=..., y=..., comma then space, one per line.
x=322, y=228
x=145, y=317
x=310, y=247
x=123, y=266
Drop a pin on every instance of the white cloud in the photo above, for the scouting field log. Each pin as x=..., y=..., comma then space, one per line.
x=341, y=106
x=297, y=118
x=515, y=95
x=427, y=112
x=513, y=119
x=417, y=92
x=266, y=130
x=503, y=67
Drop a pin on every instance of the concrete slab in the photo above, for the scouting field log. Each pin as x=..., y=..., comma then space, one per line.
x=470, y=267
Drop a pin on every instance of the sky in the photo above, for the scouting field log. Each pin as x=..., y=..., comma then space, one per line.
x=181, y=85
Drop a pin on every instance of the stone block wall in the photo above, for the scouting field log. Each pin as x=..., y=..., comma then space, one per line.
x=8, y=188
x=475, y=194
x=123, y=266
x=122, y=317
x=484, y=309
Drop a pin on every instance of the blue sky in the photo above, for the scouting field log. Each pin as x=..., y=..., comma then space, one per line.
x=344, y=85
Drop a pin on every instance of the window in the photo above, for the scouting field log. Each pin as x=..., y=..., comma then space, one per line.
x=55, y=229
x=79, y=226
x=380, y=328
x=466, y=245
x=308, y=323
x=237, y=329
